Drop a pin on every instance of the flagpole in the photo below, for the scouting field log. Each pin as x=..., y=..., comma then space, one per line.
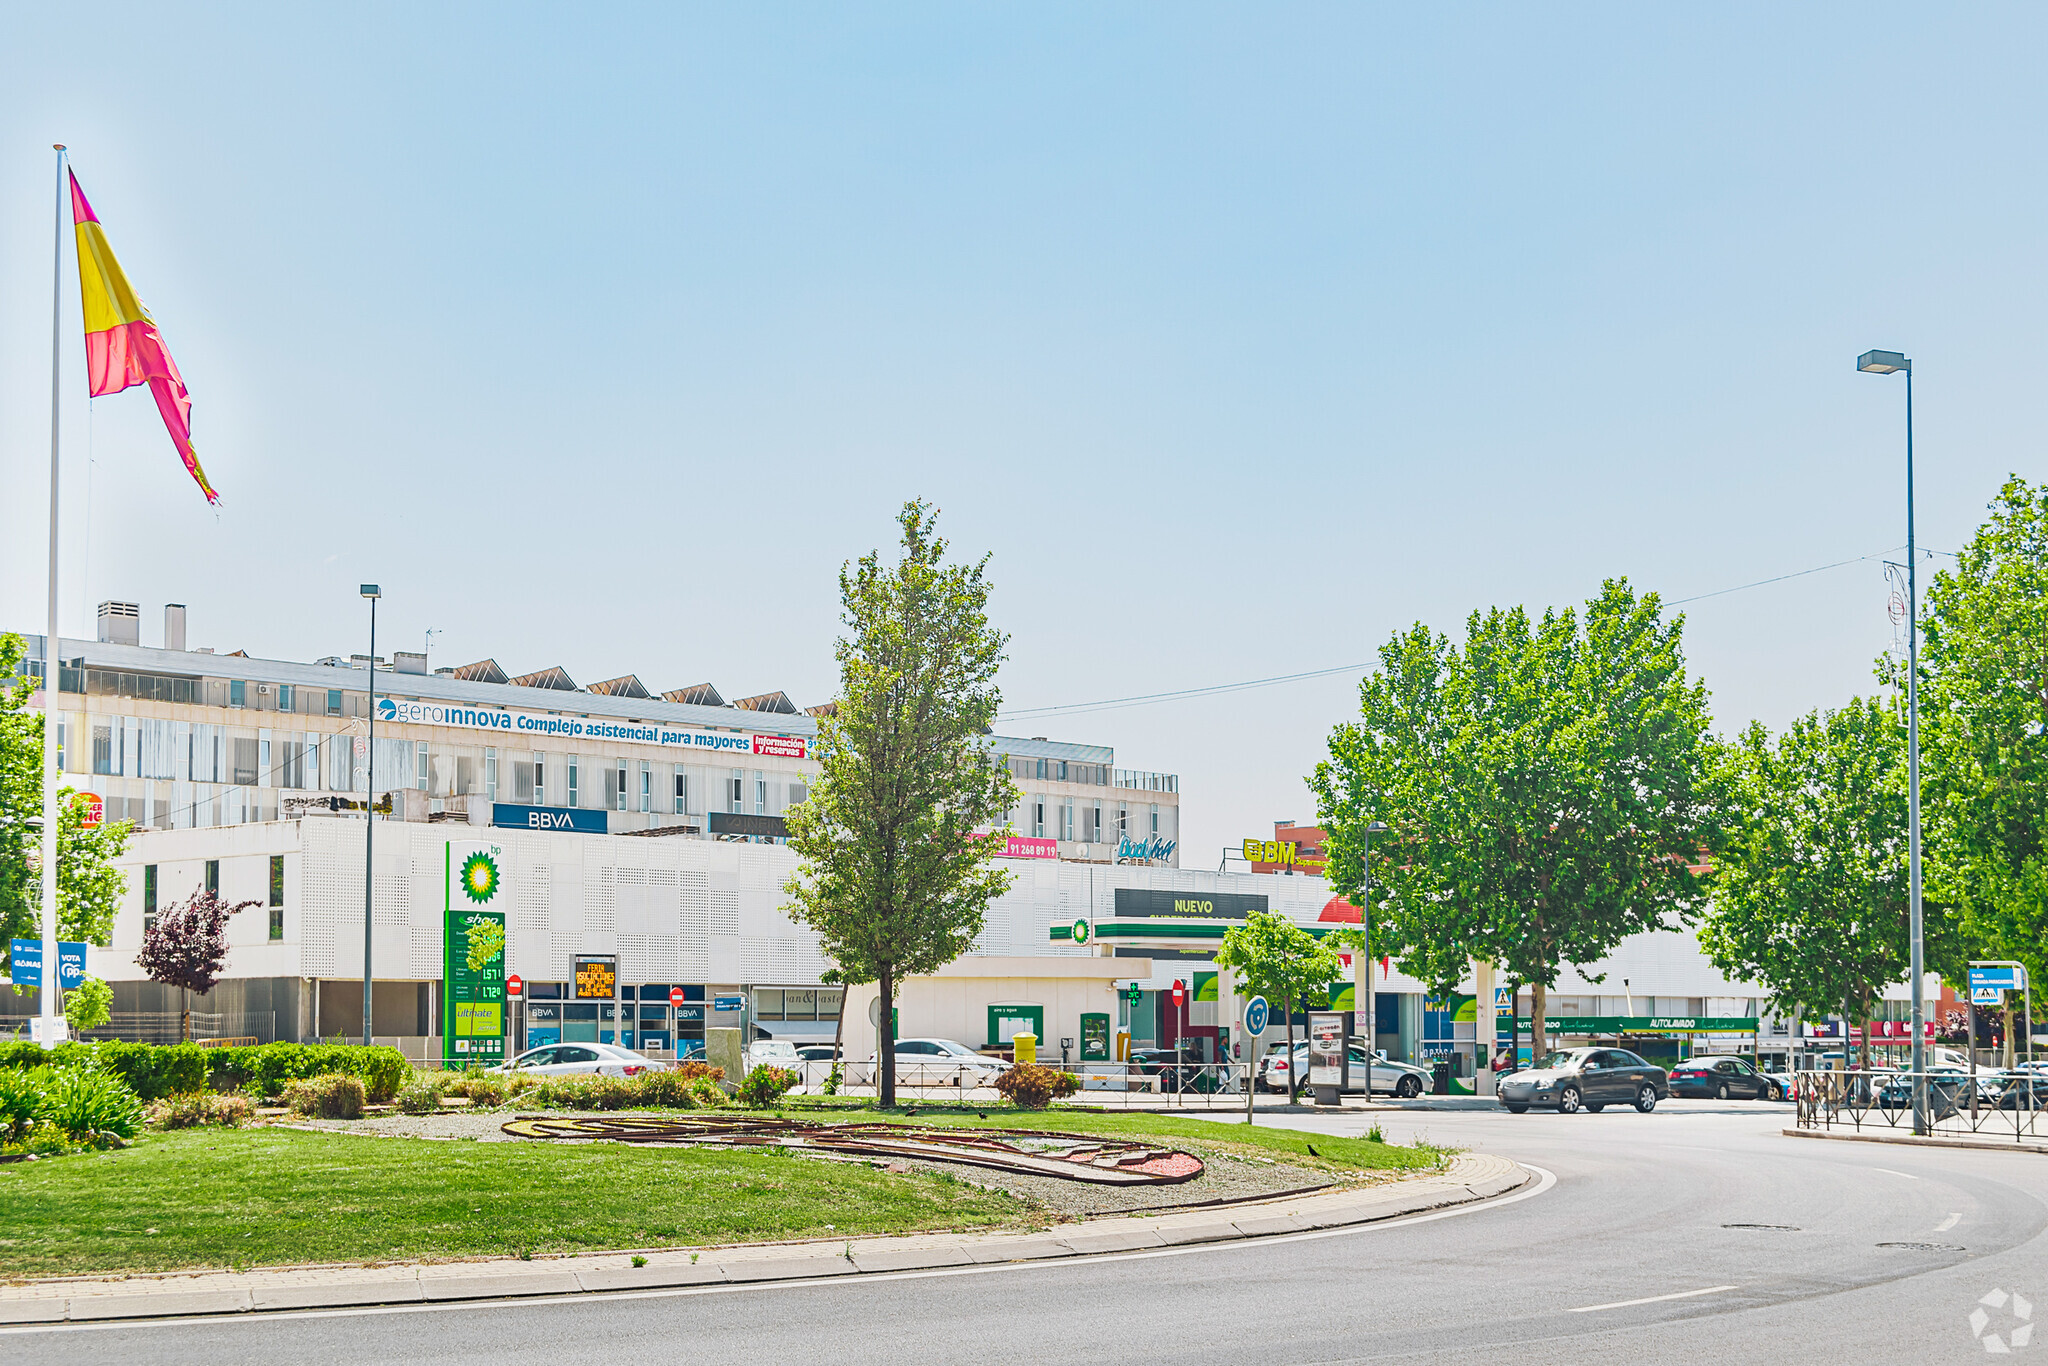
x=53, y=669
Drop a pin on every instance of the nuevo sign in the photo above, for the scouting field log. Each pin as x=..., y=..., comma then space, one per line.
x=1145, y=903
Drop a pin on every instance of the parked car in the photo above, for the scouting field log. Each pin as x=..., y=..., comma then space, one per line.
x=587, y=1059
x=1575, y=1079
x=944, y=1062
x=773, y=1053
x=1948, y=1090
x=1400, y=1079
x=817, y=1052
x=2023, y=1091
x=1724, y=1078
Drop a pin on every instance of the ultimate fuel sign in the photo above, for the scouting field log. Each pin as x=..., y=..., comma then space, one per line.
x=473, y=955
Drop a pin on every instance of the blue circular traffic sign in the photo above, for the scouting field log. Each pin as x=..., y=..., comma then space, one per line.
x=1255, y=1013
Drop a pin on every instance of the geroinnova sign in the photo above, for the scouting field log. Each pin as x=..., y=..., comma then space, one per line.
x=535, y=725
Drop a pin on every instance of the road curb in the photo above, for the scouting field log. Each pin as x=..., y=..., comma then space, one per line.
x=1984, y=1145
x=1470, y=1178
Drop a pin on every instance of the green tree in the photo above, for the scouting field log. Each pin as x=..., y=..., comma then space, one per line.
x=1545, y=785
x=1984, y=732
x=88, y=1005
x=892, y=872
x=1810, y=883
x=88, y=885
x=1275, y=958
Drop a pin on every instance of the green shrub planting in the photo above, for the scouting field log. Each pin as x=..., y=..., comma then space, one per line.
x=90, y=1106
x=1029, y=1086
x=333, y=1095
x=197, y=1108
x=418, y=1097
x=154, y=1071
x=765, y=1085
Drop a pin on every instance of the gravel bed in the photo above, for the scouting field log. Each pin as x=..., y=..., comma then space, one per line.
x=1226, y=1176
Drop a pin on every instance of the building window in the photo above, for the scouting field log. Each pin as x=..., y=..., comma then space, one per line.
x=1063, y=770
x=1067, y=821
x=148, y=896
x=284, y=697
x=1123, y=821
x=421, y=779
x=238, y=693
x=798, y=794
x=60, y=744
x=682, y=791
x=735, y=797
x=574, y=768
x=1041, y=768
x=1038, y=820
x=620, y=791
x=213, y=877
x=540, y=779
x=760, y=794
x=646, y=787
x=1155, y=818
x=490, y=774
x=277, y=896
x=334, y=701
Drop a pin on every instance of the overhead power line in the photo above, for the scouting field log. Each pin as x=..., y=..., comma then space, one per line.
x=1219, y=689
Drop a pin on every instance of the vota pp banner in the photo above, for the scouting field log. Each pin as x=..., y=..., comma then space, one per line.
x=534, y=725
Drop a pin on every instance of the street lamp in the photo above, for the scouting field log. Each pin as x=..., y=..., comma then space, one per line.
x=1890, y=363
x=1365, y=929
x=372, y=592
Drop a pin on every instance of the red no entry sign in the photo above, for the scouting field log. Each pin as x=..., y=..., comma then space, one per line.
x=513, y=985
x=1180, y=992
x=675, y=996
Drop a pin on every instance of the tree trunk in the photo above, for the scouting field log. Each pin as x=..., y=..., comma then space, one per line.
x=1539, y=1014
x=1293, y=1072
x=885, y=1083
x=2009, y=1052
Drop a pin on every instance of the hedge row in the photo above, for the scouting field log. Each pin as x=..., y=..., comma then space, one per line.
x=155, y=1071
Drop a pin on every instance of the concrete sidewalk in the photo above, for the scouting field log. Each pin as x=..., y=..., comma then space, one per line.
x=1469, y=1178
x=1911, y=1140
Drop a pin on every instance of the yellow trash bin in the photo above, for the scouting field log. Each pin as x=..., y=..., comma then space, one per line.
x=1026, y=1046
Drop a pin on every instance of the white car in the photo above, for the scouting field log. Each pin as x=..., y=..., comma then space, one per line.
x=944, y=1062
x=586, y=1059
x=1399, y=1079
x=774, y=1053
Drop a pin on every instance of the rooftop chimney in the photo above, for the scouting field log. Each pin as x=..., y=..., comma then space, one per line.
x=121, y=623
x=174, y=626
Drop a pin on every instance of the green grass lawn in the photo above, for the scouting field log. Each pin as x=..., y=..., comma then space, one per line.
x=270, y=1196
x=264, y=1197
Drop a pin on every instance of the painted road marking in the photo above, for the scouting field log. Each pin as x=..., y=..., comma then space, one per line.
x=1889, y=1172
x=1948, y=1223
x=1649, y=1299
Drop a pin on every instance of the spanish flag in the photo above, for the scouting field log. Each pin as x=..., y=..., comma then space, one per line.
x=122, y=347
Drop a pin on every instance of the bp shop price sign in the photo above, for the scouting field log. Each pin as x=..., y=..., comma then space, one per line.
x=473, y=985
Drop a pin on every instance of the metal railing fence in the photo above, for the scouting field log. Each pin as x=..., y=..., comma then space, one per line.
x=1992, y=1104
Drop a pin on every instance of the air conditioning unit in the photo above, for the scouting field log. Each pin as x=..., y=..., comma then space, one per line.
x=263, y=690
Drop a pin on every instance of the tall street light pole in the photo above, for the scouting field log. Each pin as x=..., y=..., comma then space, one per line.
x=372, y=592
x=1365, y=928
x=1889, y=363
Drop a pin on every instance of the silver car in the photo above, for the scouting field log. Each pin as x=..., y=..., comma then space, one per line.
x=1400, y=1079
x=581, y=1059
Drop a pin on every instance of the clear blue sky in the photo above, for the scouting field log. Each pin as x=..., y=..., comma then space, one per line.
x=601, y=336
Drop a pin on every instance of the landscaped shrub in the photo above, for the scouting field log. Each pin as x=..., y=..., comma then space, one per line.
x=765, y=1085
x=583, y=1093
x=267, y=1068
x=418, y=1097
x=197, y=1108
x=667, y=1089
x=42, y=1139
x=90, y=1105
x=1032, y=1087
x=150, y=1070
x=21, y=1098
x=485, y=1090
x=334, y=1095
x=691, y=1071
x=710, y=1095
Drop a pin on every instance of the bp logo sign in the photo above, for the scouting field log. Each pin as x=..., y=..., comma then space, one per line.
x=480, y=877
x=2002, y=1322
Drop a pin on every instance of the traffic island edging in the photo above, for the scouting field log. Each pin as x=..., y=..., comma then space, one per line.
x=1982, y=1145
x=1467, y=1179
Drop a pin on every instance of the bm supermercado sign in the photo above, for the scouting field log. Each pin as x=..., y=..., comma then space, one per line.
x=534, y=725
x=1145, y=903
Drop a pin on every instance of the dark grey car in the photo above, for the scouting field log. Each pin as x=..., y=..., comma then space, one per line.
x=1575, y=1079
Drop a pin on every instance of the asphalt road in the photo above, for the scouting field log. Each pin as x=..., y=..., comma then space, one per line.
x=1629, y=1257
